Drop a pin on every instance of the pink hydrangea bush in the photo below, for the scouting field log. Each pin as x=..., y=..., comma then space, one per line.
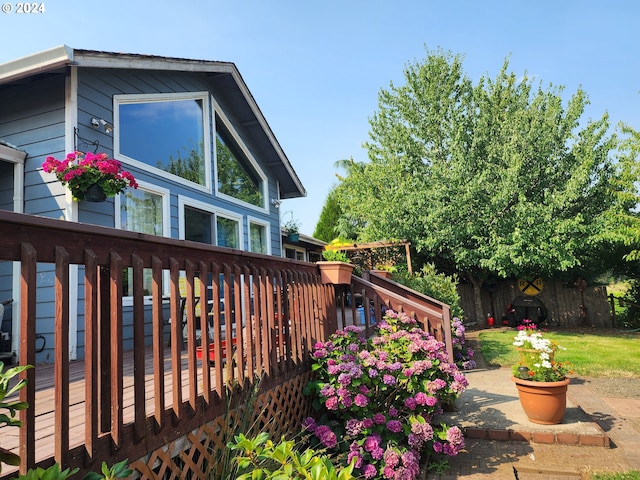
x=379, y=399
x=462, y=354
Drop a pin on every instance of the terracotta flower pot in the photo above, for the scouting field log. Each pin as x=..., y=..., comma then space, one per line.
x=382, y=273
x=338, y=273
x=543, y=402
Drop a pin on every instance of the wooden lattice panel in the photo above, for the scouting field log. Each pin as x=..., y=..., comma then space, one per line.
x=278, y=411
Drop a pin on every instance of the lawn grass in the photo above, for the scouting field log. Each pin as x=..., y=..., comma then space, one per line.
x=632, y=475
x=590, y=354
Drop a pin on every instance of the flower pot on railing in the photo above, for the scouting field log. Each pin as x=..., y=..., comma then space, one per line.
x=338, y=273
x=382, y=273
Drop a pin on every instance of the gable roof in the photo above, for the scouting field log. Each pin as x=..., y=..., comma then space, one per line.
x=224, y=76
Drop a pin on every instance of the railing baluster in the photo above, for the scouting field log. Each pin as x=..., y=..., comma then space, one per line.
x=115, y=304
x=204, y=331
x=248, y=332
x=240, y=320
x=259, y=311
x=140, y=412
x=176, y=337
x=217, y=327
x=28, y=355
x=158, y=341
x=91, y=350
x=191, y=331
x=61, y=362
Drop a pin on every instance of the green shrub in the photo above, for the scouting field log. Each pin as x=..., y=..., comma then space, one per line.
x=260, y=458
x=12, y=406
x=433, y=284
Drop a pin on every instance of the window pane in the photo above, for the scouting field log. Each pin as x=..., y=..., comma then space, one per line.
x=258, y=235
x=140, y=211
x=168, y=135
x=236, y=176
x=198, y=225
x=228, y=232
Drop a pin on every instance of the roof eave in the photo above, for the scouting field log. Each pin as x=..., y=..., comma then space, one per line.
x=40, y=62
x=9, y=153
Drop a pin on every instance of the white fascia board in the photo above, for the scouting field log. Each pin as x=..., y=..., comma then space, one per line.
x=37, y=63
x=128, y=61
x=8, y=154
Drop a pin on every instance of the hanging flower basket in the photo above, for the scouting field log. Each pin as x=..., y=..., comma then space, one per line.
x=95, y=194
x=86, y=174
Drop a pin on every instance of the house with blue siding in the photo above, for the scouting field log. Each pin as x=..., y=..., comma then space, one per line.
x=208, y=166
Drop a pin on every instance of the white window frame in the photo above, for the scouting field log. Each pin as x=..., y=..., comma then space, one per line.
x=164, y=193
x=158, y=98
x=184, y=201
x=217, y=111
x=261, y=223
x=286, y=246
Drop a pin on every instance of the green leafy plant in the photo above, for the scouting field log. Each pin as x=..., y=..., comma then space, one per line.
x=115, y=472
x=292, y=226
x=261, y=458
x=331, y=255
x=54, y=472
x=12, y=406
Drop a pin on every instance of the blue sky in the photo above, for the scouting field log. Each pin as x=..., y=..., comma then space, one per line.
x=315, y=67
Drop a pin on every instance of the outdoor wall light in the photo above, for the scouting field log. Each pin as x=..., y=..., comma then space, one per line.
x=97, y=123
x=276, y=203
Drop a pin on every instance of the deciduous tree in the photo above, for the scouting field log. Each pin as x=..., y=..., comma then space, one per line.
x=502, y=177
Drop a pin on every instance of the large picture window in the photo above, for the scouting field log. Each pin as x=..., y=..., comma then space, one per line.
x=165, y=132
x=237, y=175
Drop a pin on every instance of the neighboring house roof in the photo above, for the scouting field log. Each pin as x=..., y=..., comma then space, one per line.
x=224, y=76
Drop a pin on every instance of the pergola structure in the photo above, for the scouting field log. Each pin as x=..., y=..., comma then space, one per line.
x=371, y=253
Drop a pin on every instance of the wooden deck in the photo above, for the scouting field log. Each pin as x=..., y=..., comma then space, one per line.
x=130, y=404
x=44, y=405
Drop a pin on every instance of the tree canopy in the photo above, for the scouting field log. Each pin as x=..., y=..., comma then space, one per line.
x=497, y=178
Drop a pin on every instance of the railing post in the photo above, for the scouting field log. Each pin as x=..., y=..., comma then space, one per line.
x=28, y=355
x=104, y=349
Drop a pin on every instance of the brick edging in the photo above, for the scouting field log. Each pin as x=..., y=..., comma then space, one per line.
x=561, y=438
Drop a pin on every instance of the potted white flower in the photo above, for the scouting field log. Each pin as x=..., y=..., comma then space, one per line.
x=540, y=379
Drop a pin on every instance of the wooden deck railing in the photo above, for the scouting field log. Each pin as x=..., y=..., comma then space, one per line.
x=255, y=314
x=274, y=310
x=378, y=291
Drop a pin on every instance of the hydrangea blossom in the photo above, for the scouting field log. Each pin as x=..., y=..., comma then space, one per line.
x=387, y=392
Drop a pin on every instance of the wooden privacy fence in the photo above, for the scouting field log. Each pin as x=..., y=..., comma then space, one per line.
x=137, y=401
